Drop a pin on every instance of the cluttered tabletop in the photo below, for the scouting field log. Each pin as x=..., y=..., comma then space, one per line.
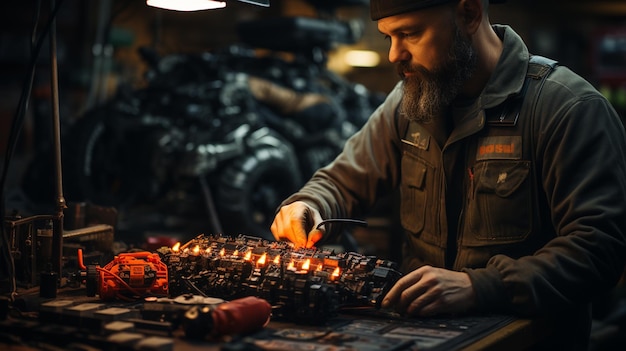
x=231, y=293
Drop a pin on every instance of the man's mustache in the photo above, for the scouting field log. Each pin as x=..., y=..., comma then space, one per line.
x=404, y=68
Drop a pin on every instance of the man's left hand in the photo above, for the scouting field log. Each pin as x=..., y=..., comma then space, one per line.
x=430, y=291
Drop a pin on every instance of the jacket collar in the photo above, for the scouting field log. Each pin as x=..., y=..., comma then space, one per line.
x=508, y=77
x=506, y=81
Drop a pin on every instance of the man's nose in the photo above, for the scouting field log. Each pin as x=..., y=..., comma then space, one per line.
x=398, y=53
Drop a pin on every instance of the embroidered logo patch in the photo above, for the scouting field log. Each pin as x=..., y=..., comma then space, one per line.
x=501, y=178
x=416, y=137
x=499, y=147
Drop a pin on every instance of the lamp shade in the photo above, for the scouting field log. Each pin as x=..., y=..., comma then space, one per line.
x=198, y=5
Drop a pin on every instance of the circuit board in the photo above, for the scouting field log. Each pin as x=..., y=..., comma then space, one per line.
x=301, y=284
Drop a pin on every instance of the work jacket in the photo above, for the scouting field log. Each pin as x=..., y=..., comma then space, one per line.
x=542, y=190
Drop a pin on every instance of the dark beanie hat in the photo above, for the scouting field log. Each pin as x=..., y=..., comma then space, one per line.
x=385, y=8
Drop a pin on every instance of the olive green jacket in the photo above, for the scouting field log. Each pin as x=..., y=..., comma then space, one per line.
x=543, y=210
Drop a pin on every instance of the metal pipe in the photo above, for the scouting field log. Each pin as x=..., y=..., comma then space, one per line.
x=57, y=228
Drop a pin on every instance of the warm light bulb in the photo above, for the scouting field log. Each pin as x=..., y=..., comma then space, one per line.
x=362, y=58
x=186, y=5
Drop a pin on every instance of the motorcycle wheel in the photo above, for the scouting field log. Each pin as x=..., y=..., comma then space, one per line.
x=101, y=162
x=251, y=188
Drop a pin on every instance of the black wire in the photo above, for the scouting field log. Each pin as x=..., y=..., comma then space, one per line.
x=212, y=210
x=16, y=127
x=33, y=34
x=358, y=222
x=194, y=287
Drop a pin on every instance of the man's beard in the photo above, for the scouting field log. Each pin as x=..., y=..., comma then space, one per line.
x=428, y=93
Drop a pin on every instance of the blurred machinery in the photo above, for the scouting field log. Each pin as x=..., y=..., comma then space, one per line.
x=224, y=135
x=87, y=227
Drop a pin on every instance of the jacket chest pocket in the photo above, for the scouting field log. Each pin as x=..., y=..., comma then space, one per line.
x=418, y=213
x=499, y=204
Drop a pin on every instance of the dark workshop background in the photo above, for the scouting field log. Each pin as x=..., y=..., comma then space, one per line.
x=98, y=42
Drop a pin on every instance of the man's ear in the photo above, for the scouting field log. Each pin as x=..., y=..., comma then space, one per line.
x=470, y=15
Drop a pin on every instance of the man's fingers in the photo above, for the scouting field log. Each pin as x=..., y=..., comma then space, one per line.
x=395, y=296
x=423, y=303
x=314, y=236
x=295, y=232
x=428, y=291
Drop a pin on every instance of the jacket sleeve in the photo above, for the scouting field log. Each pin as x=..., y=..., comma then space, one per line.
x=365, y=169
x=580, y=148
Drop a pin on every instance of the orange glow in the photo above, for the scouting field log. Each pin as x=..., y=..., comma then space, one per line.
x=336, y=273
x=277, y=259
x=319, y=267
x=176, y=247
x=236, y=253
x=222, y=252
x=291, y=265
x=196, y=250
x=208, y=250
x=306, y=264
x=248, y=256
x=262, y=259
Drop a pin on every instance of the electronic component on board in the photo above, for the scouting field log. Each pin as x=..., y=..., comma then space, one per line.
x=240, y=316
x=304, y=285
x=129, y=275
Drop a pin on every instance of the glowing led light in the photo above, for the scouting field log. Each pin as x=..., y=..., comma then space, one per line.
x=262, y=259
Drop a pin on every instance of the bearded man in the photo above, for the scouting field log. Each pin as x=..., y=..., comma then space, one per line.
x=511, y=171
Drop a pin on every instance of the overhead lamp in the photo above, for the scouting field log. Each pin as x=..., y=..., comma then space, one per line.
x=198, y=5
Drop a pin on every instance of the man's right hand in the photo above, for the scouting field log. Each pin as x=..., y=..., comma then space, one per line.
x=297, y=223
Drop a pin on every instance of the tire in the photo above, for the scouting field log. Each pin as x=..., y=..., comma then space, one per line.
x=250, y=189
x=103, y=164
